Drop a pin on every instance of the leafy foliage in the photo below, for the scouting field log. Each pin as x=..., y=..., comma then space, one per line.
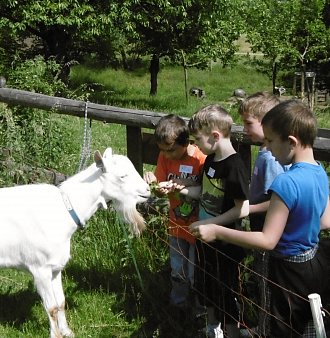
x=28, y=136
x=61, y=29
x=290, y=34
x=202, y=29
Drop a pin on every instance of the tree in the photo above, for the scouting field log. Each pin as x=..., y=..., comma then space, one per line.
x=187, y=32
x=57, y=29
x=290, y=34
x=190, y=32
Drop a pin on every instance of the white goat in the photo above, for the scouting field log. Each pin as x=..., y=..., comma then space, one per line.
x=38, y=220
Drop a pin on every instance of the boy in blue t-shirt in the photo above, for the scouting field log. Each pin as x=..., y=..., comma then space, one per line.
x=299, y=208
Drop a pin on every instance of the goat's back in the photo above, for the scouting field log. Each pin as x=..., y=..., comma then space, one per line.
x=35, y=226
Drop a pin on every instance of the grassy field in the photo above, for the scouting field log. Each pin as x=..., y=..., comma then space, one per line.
x=131, y=89
x=116, y=285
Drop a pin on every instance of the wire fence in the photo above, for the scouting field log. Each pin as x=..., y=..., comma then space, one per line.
x=250, y=308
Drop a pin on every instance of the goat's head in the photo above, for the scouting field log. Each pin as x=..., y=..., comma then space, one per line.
x=123, y=185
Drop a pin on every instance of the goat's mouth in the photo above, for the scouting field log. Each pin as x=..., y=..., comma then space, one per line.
x=144, y=197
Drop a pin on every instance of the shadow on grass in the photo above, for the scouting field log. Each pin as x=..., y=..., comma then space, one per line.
x=16, y=307
x=150, y=302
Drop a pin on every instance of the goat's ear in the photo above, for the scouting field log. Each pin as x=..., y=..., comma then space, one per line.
x=107, y=152
x=98, y=160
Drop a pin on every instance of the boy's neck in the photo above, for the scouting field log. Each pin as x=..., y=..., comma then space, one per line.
x=190, y=150
x=263, y=146
x=224, y=149
x=304, y=155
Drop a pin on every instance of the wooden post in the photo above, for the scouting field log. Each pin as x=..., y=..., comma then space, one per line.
x=310, y=88
x=135, y=147
x=313, y=102
x=245, y=151
x=150, y=149
x=294, y=89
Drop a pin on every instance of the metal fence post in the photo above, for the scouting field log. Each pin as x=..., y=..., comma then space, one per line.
x=315, y=303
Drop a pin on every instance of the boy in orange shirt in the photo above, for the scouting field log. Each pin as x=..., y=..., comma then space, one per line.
x=178, y=162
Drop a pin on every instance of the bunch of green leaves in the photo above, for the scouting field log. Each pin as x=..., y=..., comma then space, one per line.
x=31, y=137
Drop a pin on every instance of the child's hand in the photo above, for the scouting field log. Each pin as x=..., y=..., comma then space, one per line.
x=206, y=232
x=150, y=177
x=168, y=187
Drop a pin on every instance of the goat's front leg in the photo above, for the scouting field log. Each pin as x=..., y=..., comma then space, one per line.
x=60, y=300
x=43, y=281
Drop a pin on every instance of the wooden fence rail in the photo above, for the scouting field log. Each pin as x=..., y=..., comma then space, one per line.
x=141, y=147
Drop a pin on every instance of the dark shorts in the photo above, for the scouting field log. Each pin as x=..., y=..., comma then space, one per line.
x=217, y=276
x=294, y=281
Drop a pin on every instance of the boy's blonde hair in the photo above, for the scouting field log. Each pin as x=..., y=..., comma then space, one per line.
x=211, y=117
x=258, y=104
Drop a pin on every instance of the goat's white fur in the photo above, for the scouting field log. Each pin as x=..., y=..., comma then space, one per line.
x=36, y=226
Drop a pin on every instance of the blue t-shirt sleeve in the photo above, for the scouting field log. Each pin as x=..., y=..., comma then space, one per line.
x=284, y=187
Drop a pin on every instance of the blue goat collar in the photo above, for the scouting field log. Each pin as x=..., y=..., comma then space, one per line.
x=70, y=209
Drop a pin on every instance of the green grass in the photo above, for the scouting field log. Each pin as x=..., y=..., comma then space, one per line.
x=117, y=286
x=132, y=89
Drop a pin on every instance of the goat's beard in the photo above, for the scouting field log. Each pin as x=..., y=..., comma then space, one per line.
x=132, y=217
x=135, y=221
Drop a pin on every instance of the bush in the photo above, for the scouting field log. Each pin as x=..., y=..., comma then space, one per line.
x=32, y=137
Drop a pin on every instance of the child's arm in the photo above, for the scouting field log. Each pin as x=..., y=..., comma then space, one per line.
x=275, y=222
x=258, y=208
x=325, y=219
x=185, y=182
x=192, y=191
x=240, y=210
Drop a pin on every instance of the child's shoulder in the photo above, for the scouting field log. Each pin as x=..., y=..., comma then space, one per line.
x=236, y=163
x=265, y=155
x=233, y=160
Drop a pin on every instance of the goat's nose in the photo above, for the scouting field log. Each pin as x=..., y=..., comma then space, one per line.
x=147, y=189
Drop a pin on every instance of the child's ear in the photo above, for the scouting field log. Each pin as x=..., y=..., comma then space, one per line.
x=293, y=141
x=216, y=135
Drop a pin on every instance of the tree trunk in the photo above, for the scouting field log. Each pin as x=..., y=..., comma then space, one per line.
x=154, y=69
x=302, y=83
x=274, y=75
x=123, y=59
x=57, y=43
x=185, y=71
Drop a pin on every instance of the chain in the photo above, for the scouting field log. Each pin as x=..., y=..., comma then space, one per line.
x=85, y=149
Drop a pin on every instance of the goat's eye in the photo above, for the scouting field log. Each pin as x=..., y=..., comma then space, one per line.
x=123, y=176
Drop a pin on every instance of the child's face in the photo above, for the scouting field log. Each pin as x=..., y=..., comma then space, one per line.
x=280, y=149
x=204, y=142
x=173, y=151
x=253, y=127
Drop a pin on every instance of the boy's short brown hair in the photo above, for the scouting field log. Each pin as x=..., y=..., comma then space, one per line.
x=258, y=104
x=292, y=117
x=211, y=117
x=172, y=129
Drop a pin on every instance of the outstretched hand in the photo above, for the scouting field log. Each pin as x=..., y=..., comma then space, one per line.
x=206, y=232
x=169, y=186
